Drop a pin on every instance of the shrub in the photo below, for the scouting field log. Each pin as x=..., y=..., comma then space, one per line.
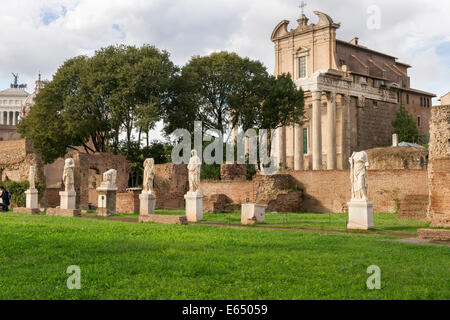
x=210, y=172
x=17, y=189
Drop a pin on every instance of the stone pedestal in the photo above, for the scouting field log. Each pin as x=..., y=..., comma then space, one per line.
x=194, y=206
x=106, y=200
x=32, y=199
x=252, y=213
x=26, y=210
x=68, y=200
x=63, y=212
x=360, y=215
x=147, y=203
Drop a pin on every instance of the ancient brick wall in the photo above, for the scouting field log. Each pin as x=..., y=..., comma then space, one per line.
x=329, y=191
x=439, y=167
x=398, y=158
x=16, y=157
x=236, y=191
x=171, y=184
x=127, y=202
x=374, y=124
x=85, y=164
x=233, y=172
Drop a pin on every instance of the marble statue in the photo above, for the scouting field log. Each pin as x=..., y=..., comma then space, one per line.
x=194, y=167
x=149, y=175
x=109, y=177
x=31, y=176
x=359, y=165
x=68, y=179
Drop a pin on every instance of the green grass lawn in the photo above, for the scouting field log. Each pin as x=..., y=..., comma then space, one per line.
x=121, y=260
x=385, y=223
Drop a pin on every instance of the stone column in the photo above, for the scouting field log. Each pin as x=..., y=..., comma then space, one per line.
x=282, y=147
x=395, y=140
x=317, y=130
x=331, y=131
x=298, y=148
x=344, y=134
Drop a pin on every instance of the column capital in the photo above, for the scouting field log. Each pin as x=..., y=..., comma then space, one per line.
x=316, y=94
x=331, y=96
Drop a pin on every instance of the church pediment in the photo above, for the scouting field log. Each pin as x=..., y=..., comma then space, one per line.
x=280, y=30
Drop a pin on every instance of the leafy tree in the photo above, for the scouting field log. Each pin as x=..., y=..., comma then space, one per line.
x=91, y=101
x=205, y=88
x=136, y=156
x=405, y=126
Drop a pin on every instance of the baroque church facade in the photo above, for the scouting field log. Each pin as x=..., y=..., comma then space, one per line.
x=352, y=95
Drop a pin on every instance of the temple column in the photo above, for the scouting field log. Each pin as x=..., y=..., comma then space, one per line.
x=282, y=147
x=331, y=131
x=317, y=130
x=344, y=131
x=298, y=147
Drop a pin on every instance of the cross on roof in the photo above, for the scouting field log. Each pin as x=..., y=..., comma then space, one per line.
x=302, y=6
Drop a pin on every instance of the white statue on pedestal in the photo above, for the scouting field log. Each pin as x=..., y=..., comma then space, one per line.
x=194, y=167
x=31, y=176
x=360, y=210
x=149, y=175
x=359, y=165
x=68, y=179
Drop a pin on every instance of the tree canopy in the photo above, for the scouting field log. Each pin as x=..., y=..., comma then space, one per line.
x=99, y=102
x=405, y=126
x=224, y=88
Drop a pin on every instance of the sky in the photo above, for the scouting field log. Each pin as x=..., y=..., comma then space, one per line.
x=39, y=35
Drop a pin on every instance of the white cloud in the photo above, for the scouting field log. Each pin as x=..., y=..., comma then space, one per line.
x=410, y=30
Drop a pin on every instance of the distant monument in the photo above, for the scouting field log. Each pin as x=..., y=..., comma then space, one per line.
x=107, y=194
x=360, y=210
x=147, y=197
x=194, y=197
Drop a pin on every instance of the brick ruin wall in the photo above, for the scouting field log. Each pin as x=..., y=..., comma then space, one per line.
x=170, y=184
x=398, y=158
x=374, y=123
x=89, y=169
x=127, y=202
x=439, y=167
x=402, y=191
x=16, y=157
x=389, y=190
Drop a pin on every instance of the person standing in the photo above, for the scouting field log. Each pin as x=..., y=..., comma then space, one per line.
x=4, y=196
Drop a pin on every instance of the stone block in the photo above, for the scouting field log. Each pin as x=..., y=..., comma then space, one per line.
x=32, y=199
x=194, y=206
x=434, y=234
x=360, y=215
x=67, y=200
x=63, y=212
x=158, y=218
x=147, y=203
x=26, y=210
x=252, y=213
